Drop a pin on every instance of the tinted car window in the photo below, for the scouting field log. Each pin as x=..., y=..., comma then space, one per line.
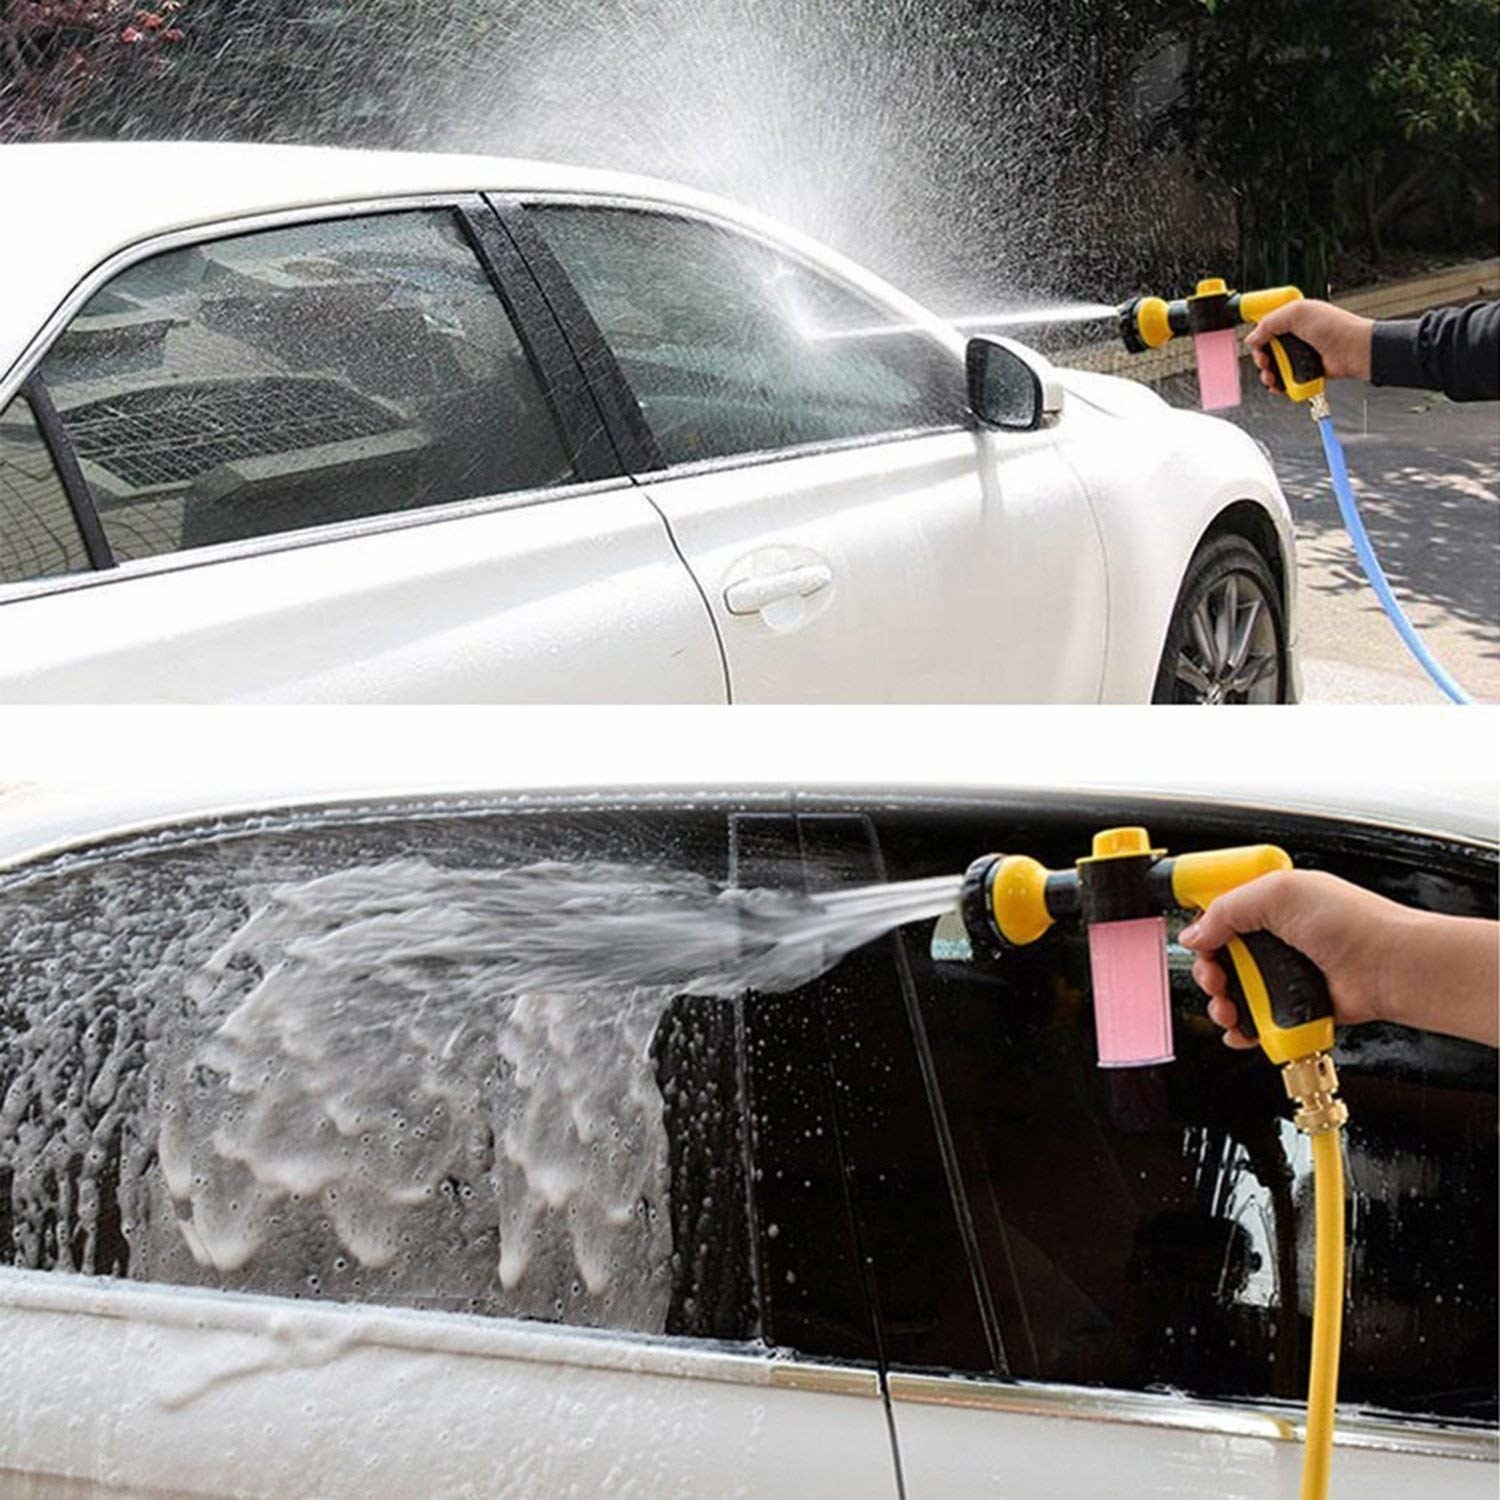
x=294, y=377
x=38, y=536
x=731, y=348
x=1141, y=1229
x=208, y=1079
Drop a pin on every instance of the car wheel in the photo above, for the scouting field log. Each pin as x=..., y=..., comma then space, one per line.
x=1227, y=639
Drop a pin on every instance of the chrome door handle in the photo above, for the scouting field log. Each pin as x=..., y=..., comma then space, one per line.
x=748, y=596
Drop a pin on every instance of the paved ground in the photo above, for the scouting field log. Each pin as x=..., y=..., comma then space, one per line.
x=1427, y=476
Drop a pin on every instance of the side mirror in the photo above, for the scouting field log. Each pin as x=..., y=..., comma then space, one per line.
x=1010, y=386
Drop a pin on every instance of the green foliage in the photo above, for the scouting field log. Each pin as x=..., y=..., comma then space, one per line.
x=1332, y=123
x=1437, y=67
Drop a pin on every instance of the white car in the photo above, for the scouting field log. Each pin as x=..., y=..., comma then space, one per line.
x=383, y=1231
x=284, y=423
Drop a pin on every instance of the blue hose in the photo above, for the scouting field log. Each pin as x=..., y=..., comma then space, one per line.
x=1338, y=470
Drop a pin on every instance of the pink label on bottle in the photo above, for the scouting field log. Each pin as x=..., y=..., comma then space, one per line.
x=1132, y=1005
x=1218, y=369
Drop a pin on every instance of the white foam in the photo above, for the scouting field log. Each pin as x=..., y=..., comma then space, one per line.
x=344, y=1056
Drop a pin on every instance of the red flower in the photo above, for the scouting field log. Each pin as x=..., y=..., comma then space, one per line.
x=150, y=20
x=130, y=36
x=172, y=34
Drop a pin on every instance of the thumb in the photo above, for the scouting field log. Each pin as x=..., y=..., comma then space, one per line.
x=1283, y=319
x=1261, y=905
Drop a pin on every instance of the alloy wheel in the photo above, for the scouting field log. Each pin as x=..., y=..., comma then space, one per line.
x=1230, y=653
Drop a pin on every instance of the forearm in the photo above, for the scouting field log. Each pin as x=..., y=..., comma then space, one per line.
x=1455, y=350
x=1443, y=974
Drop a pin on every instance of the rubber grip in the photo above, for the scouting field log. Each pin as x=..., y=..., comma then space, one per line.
x=1294, y=984
x=1305, y=363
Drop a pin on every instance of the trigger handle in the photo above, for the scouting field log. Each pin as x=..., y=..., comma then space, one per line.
x=1295, y=366
x=1280, y=994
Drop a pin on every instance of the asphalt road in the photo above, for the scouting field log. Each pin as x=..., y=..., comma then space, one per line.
x=1426, y=474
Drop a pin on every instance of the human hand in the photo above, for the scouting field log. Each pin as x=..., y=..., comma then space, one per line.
x=1345, y=931
x=1341, y=338
x=1383, y=961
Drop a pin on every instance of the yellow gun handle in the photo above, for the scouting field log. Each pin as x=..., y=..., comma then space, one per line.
x=1298, y=367
x=1281, y=995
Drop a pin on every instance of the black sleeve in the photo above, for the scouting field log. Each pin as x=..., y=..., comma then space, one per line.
x=1455, y=350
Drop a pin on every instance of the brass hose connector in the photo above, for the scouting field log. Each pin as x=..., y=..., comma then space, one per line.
x=1312, y=1084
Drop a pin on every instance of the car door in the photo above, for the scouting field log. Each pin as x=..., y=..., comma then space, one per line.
x=1138, y=1236
x=855, y=537
x=339, y=456
x=574, y=1241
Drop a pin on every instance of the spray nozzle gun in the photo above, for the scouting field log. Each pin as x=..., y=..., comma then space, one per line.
x=1211, y=315
x=1121, y=892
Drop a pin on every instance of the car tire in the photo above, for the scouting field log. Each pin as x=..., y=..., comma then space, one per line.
x=1226, y=643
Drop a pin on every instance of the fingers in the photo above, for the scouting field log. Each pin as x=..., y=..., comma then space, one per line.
x=1210, y=978
x=1263, y=365
x=1284, y=319
x=1253, y=907
x=1222, y=1013
x=1260, y=905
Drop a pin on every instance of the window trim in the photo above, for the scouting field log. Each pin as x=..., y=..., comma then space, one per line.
x=616, y=402
x=556, y=370
x=765, y=458
x=584, y=332
x=562, y=387
x=1273, y=1420
x=69, y=473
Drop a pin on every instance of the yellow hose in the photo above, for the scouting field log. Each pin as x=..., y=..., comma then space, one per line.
x=1328, y=1311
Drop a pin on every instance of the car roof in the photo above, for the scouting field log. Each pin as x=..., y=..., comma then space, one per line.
x=77, y=204
x=39, y=819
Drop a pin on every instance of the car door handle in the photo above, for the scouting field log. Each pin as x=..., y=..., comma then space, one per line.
x=748, y=596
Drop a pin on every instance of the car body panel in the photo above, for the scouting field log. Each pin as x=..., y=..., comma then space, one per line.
x=577, y=597
x=949, y=557
x=392, y=1403
x=1187, y=470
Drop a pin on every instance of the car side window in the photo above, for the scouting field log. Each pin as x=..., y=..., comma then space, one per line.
x=294, y=377
x=732, y=348
x=216, y=1072
x=39, y=537
x=1140, y=1229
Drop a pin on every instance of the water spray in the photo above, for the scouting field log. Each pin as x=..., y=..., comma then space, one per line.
x=1121, y=893
x=1211, y=315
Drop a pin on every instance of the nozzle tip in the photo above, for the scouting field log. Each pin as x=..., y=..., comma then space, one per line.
x=1130, y=326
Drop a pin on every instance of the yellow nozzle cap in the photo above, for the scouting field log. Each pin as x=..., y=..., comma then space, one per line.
x=1018, y=899
x=1113, y=843
x=1153, y=321
x=1211, y=286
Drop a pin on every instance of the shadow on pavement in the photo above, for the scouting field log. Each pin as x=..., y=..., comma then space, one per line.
x=1426, y=473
